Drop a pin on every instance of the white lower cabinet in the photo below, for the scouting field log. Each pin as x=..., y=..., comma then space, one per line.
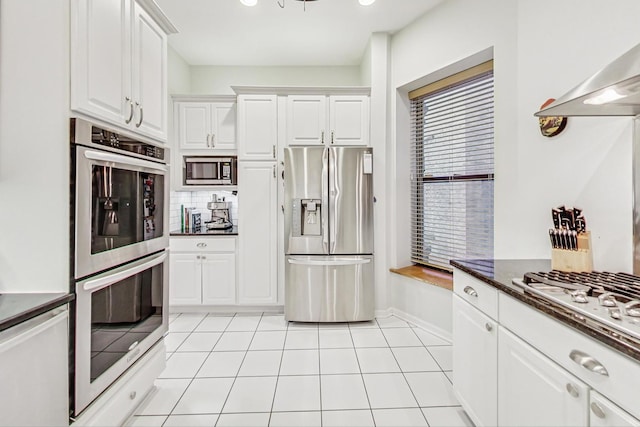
x=534, y=391
x=34, y=368
x=202, y=271
x=605, y=413
x=475, y=362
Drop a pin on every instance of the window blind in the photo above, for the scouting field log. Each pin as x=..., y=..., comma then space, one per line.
x=452, y=169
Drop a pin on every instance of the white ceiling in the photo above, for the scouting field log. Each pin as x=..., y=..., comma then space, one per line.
x=329, y=33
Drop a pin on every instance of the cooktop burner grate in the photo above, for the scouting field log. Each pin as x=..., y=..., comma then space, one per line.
x=624, y=286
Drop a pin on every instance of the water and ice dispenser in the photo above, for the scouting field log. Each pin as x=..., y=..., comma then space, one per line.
x=307, y=217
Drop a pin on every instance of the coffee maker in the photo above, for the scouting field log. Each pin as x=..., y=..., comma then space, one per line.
x=220, y=214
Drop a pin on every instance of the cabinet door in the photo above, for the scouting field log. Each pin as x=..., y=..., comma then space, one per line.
x=185, y=279
x=223, y=132
x=258, y=222
x=475, y=362
x=34, y=371
x=195, y=125
x=101, y=59
x=218, y=278
x=605, y=413
x=306, y=120
x=349, y=120
x=534, y=391
x=257, y=127
x=149, y=75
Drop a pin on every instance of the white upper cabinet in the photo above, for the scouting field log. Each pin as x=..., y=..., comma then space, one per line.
x=207, y=125
x=119, y=66
x=306, y=119
x=334, y=119
x=149, y=75
x=257, y=127
x=349, y=120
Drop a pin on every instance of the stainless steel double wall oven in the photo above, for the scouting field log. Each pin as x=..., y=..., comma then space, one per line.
x=119, y=240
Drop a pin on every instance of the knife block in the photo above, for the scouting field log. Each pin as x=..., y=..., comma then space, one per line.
x=574, y=261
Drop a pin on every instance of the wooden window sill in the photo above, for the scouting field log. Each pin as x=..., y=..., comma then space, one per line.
x=426, y=275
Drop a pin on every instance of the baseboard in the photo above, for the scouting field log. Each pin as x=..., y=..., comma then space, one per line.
x=440, y=333
x=227, y=309
x=383, y=312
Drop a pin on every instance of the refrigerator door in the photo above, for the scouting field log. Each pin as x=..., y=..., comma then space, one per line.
x=350, y=200
x=329, y=288
x=306, y=212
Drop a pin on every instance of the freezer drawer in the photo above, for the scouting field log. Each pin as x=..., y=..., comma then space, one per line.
x=329, y=288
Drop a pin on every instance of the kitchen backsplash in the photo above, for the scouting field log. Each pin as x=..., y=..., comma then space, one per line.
x=198, y=200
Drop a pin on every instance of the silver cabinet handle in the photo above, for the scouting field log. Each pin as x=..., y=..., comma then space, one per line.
x=332, y=137
x=597, y=410
x=488, y=326
x=141, y=114
x=130, y=110
x=208, y=143
x=134, y=345
x=213, y=140
x=203, y=257
x=133, y=395
x=274, y=151
x=322, y=137
x=274, y=171
x=588, y=362
x=201, y=245
x=197, y=256
x=573, y=391
x=470, y=291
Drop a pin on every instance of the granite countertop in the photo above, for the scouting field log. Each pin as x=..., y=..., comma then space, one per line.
x=500, y=273
x=204, y=232
x=16, y=308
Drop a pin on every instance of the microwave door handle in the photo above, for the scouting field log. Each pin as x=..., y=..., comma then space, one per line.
x=103, y=282
x=116, y=158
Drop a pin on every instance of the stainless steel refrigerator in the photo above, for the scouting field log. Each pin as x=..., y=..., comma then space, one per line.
x=328, y=214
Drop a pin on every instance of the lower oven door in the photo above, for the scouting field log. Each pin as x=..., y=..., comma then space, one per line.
x=119, y=315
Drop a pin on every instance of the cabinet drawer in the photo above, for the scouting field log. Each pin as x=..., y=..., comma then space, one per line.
x=475, y=292
x=568, y=347
x=202, y=244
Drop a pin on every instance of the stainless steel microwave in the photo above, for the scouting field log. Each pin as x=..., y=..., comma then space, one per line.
x=210, y=170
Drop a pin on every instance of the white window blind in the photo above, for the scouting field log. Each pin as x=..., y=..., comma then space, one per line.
x=452, y=169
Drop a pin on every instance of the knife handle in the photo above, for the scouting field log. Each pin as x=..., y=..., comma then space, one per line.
x=552, y=238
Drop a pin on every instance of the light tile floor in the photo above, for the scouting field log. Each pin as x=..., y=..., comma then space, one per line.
x=259, y=370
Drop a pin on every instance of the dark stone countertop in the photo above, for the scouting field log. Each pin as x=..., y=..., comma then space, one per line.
x=16, y=308
x=204, y=232
x=500, y=273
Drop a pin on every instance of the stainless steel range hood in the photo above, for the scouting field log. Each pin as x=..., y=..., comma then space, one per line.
x=612, y=91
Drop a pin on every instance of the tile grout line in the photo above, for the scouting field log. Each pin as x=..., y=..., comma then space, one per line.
x=241, y=362
x=275, y=390
x=405, y=377
x=194, y=375
x=319, y=374
x=364, y=385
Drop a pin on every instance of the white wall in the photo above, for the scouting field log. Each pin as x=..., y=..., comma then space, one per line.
x=588, y=165
x=34, y=146
x=217, y=80
x=179, y=73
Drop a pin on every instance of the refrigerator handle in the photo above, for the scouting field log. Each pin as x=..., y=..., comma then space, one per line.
x=325, y=198
x=334, y=195
x=337, y=261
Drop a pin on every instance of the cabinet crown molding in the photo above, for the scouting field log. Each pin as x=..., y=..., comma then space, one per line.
x=302, y=90
x=152, y=8
x=202, y=98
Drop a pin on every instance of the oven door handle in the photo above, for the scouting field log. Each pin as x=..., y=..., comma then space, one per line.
x=103, y=282
x=116, y=158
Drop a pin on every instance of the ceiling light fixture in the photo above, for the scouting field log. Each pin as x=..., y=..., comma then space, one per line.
x=281, y=4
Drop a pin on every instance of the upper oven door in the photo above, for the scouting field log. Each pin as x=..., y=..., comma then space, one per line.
x=119, y=209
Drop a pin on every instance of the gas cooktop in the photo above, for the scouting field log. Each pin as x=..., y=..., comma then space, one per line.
x=609, y=302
